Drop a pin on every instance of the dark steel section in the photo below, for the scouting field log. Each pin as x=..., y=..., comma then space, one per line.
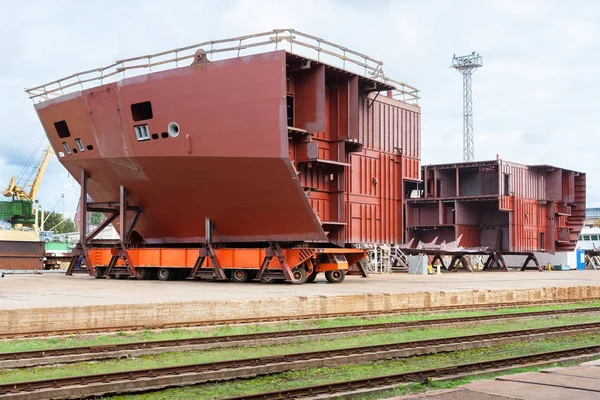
x=360, y=329
x=501, y=205
x=19, y=255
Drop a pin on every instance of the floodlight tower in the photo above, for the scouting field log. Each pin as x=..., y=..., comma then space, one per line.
x=466, y=65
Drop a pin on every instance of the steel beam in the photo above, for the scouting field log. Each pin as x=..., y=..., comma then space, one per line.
x=83, y=222
x=101, y=227
x=265, y=264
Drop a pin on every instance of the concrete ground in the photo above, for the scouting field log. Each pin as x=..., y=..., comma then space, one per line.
x=58, y=302
x=581, y=382
x=32, y=291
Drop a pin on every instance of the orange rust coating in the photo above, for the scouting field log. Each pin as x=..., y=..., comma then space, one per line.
x=228, y=258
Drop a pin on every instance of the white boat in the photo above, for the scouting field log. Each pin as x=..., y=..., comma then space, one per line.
x=589, y=238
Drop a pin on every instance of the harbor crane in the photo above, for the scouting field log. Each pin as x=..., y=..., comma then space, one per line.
x=23, y=189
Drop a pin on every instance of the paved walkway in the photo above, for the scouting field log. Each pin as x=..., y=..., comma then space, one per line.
x=581, y=382
x=32, y=291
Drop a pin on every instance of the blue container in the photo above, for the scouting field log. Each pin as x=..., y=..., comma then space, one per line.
x=580, y=259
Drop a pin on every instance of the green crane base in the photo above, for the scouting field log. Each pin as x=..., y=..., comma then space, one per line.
x=17, y=212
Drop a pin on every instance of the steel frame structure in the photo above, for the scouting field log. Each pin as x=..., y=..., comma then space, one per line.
x=495, y=259
x=116, y=209
x=119, y=249
x=467, y=65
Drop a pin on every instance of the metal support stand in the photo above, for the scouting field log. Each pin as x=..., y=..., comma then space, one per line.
x=457, y=261
x=495, y=260
x=531, y=257
x=205, y=251
x=111, y=265
x=83, y=238
x=72, y=265
x=439, y=258
x=274, y=250
x=116, y=210
x=362, y=270
x=73, y=262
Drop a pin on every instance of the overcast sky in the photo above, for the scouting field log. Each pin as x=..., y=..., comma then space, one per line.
x=535, y=100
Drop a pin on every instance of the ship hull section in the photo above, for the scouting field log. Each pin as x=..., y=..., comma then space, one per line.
x=228, y=160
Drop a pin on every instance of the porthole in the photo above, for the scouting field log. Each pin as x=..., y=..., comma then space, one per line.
x=173, y=129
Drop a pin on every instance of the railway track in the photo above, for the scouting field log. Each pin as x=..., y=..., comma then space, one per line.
x=259, y=320
x=345, y=388
x=86, y=353
x=184, y=375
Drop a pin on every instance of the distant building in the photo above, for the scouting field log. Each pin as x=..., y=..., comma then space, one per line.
x=592, y=216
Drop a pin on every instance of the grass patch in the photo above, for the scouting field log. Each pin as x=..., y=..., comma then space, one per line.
x=128, y=337
x=316, y=376
x=193, y=357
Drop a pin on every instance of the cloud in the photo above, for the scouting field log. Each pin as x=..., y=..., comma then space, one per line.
x=535, y=99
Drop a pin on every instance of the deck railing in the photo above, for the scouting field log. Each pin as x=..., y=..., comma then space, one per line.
x=296, y=42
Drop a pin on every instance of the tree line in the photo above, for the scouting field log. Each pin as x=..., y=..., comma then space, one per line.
x=58, y=223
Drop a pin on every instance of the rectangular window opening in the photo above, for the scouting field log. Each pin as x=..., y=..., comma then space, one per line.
x=542, y=240
x=66, y=147
x=142, y=132
x=62, y=129
x=594, y=237
x=290, y=110
x=141, y=111
x=80, y=145
x=506, y=184
x=586, y=237
x=340, y=258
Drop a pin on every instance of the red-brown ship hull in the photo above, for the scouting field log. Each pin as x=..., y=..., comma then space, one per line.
x=270, y=147
x=229, y=163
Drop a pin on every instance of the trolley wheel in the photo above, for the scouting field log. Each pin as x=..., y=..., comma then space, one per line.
x=240, y=276
x=335, y=276
x=99, y=272
x=144, y=273
x=313, y=275
x=299, y=275
x=165, y=274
